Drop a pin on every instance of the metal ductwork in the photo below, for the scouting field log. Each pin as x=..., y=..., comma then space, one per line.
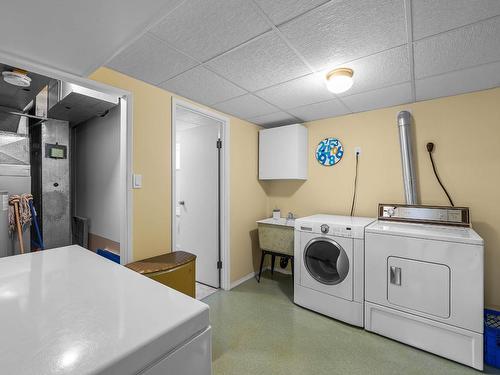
x=76, y=104
x=405, y=141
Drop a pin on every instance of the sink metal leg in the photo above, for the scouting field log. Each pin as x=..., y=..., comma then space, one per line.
x=261, y=264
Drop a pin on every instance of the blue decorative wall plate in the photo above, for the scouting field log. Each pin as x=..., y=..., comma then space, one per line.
x=329, y=151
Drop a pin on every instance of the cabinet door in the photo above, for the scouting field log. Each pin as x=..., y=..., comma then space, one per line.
x=283, y=153
x=419, y=286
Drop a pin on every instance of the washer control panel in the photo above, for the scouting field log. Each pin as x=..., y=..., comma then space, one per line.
x=336, y=230
x=331, y=229
x=341, y=231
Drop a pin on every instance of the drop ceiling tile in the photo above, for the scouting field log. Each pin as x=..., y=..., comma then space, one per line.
x=380, y=70
x=260, y=63
x=432, y=17
x=458, y=49
x=203, y=86
x=280, y=11
x=458, y=82
x=75, y=36
x=274, y=119
x=346, y=30
x=206, y=28
x=150, y=60
x=318, y=111
x=298, y=92
x=380, y=98
x=246, y=106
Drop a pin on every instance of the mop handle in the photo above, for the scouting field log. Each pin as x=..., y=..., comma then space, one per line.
x=14, y=200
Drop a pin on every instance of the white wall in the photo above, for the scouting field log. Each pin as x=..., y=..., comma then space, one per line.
x=96, y=174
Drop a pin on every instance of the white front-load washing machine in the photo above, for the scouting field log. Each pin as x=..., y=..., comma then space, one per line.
x=329, y=265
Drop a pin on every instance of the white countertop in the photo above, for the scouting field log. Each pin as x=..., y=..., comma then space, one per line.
x=281, y=221
x=70, y=311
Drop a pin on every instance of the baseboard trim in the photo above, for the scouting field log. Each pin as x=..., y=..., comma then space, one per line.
x=243, y=279
x=254, y=274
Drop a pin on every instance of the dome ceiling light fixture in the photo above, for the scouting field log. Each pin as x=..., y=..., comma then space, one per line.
x=339, y=80
x=17, y=77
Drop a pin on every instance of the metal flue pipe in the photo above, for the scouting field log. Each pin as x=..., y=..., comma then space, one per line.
x=409, y=179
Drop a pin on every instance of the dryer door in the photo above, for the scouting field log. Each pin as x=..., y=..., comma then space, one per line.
x=419, y=286
x=326, y=265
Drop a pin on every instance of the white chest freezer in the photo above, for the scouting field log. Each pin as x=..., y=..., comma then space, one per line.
x=69, y=311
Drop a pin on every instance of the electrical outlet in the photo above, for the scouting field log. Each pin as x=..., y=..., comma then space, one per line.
x=357, y=151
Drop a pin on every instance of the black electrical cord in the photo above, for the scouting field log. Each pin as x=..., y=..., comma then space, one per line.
x=355, y=184
x=430, y=148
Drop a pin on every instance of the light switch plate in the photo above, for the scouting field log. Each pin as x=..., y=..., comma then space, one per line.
x=137, y=181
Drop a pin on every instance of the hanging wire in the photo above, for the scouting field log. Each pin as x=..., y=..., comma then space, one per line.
x=430, y=148
x=355, y=184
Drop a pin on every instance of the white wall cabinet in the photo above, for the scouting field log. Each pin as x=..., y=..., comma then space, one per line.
x=283, y=153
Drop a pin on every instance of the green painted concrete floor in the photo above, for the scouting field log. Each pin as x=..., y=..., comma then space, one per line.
x=257, y=329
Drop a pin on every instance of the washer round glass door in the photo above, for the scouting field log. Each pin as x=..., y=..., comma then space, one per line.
x=326, y=261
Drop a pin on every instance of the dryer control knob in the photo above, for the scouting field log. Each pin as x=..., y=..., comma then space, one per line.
x=325, y=228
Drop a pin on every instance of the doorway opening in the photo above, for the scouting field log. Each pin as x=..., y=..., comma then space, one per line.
x=65, y=160
x=200, y=180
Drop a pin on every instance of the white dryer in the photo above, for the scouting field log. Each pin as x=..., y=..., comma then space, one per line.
x=424, y=281
x=329, y=265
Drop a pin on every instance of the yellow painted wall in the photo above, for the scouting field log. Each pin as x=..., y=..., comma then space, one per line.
x=466, y=131
x=151, y=158
x=465, y=128
x=248, y=199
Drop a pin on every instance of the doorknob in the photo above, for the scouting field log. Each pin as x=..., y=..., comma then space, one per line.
x=181, y=203
x=395, y=275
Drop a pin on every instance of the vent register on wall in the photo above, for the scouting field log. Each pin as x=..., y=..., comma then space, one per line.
x=36, y=123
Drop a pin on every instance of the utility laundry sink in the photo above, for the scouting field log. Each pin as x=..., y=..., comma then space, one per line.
x=276, y=235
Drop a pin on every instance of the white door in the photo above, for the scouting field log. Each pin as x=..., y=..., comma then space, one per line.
x=197, y=192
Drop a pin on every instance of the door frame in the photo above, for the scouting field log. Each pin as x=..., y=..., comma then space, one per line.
x=126, y=134
x=223, y=183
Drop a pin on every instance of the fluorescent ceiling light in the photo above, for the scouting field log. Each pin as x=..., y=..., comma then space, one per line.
x=339, y=80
